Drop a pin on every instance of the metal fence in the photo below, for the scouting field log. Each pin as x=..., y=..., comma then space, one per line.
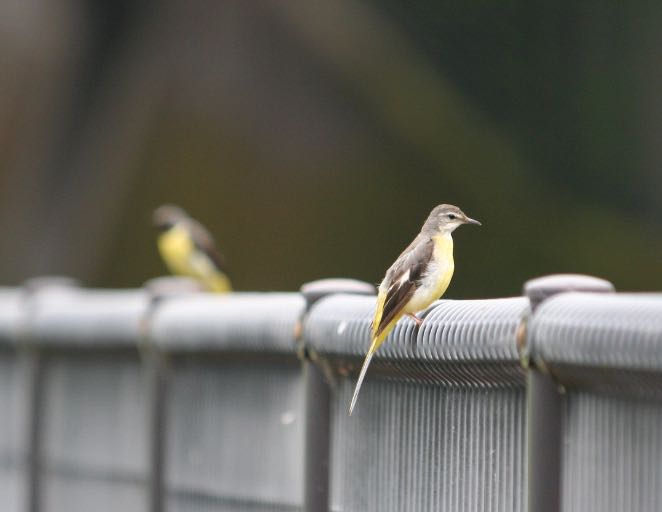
x=164, y=398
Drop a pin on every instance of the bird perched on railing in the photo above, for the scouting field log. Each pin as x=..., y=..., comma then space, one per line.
x=188, y=249
x=418, y=277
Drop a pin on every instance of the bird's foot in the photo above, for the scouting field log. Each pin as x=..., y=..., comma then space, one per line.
x=418, y=321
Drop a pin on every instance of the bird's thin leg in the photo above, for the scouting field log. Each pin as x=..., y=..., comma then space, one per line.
x=418, y=321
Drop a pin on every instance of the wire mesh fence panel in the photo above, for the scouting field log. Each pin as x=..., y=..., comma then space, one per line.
x=14, y=398
x=234, y=419
x=91, y=447
x=128, y=400
x=606, y=352
x=612, y=452
x=94, y=434
x=440, y=422
x=421, y=447
x=234, y=436
x=13, y=431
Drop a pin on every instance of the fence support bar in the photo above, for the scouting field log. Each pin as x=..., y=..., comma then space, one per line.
x=318, y=417
x=157, y=392
x=317, y=444
x=544, y=421
x=544, y=442
x=35, y=409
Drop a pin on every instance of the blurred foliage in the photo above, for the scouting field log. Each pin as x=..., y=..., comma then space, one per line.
x=312, y=138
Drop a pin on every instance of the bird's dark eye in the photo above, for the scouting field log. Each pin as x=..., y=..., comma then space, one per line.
x=452, y=216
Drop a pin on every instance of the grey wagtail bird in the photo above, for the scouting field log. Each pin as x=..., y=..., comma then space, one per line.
x=418, y=277
x=189, y=250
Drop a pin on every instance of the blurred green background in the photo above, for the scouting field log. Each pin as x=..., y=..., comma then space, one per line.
x=313, y=138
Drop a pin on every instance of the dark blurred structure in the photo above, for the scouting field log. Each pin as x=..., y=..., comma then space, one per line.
x=313, y=137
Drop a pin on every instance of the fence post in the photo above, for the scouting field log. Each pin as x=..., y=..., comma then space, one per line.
x=544, y=422
x=157, y=369
x=318, y=397
x=35, y=406
x=34, y=393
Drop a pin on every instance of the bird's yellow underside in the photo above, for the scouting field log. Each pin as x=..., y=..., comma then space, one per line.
x=434, y=286
x=184, y=259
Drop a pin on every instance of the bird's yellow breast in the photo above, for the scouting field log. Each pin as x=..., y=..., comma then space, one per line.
x=176, y=248
x=438, y=276
x=443, y=255
x=184, y=259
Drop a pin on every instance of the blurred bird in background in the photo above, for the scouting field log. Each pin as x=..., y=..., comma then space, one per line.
x=418, y=277
x=189, y=250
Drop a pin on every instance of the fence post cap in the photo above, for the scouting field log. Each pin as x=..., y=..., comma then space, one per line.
x=541, y=288
x=313, y=291
x=316, y=290
x=35, y=284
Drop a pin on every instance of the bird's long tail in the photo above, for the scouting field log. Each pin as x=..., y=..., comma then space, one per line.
x=376, y=343
x=364, y=369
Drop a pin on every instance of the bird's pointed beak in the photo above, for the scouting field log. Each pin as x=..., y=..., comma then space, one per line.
x=468, y=220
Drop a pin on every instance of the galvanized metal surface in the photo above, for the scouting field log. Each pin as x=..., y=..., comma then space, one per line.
x=94, y=434
x=251, y=459
x=157, y=377
x=235, y=436
x=70, y=408
x=240, y=322
x=600, y=330
x=543, y=396
x=543, y=442
x=13, y=432
x=14, y=394
x=439, y=425
x=606, y=352
x=540, y=289
x=609, y=343
x=428, y=447
x=440, y=422
x=74, y=317
x=612, y=453
x=459, y=340
x=317, y=439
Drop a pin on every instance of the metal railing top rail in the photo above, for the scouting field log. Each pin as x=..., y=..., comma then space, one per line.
x=238, y=322
x=85, y=318
x=602, y=330
x=470, y=338
x=617, y=331
x=170, y=317
x=55, y=312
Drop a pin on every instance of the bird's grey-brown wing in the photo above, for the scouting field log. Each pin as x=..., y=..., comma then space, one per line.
x=403, y=278
x=204, y=242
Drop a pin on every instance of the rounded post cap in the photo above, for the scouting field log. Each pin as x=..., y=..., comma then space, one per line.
x=541, y=288
x=36, y=284
x=316, y=290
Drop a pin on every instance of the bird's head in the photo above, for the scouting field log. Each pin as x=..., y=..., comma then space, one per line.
x=445, y=218
x=166, y=216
